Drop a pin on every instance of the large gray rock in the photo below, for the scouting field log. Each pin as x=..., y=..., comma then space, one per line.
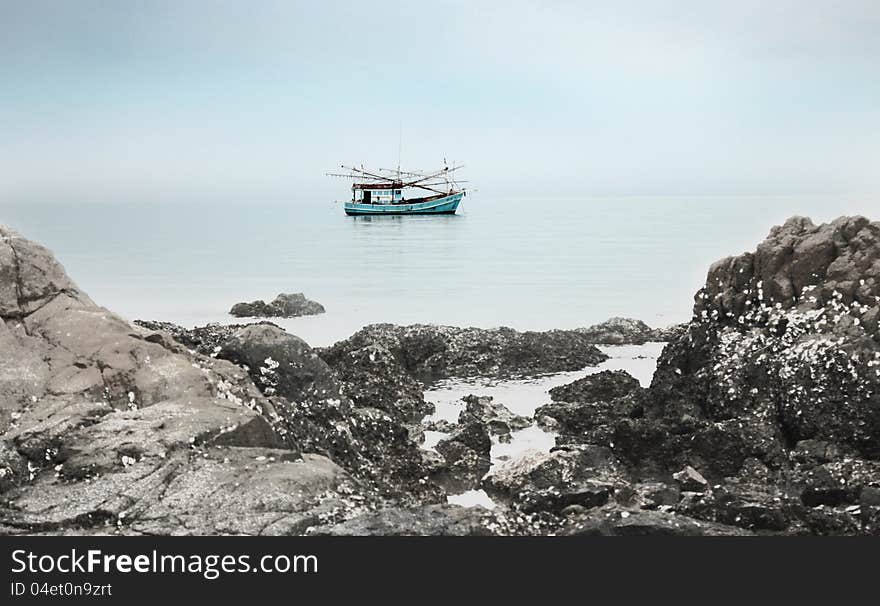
x=106, y=426
x=228, y=490
x=281, y=363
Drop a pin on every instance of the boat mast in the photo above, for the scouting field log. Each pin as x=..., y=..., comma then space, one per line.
x=399, y=146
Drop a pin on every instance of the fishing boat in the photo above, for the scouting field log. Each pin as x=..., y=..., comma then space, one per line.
x=390, y=192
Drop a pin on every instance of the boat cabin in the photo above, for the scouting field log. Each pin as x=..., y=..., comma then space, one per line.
x=377, y=193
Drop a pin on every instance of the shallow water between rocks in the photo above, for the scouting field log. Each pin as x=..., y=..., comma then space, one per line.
x=522, y=397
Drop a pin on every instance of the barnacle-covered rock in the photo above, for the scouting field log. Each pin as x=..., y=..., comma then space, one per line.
x=373, y=377
x=431, y=352
x=771, y=392
x=787, y=334
x=781, y=366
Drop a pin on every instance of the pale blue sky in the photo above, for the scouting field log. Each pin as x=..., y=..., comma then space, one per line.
x=119, y=101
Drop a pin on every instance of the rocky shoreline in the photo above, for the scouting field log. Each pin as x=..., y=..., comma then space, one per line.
x=763, y=415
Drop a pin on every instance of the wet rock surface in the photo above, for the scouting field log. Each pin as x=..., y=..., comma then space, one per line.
x=285, y=305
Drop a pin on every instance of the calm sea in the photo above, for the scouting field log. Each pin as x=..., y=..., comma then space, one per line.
x=526, y=263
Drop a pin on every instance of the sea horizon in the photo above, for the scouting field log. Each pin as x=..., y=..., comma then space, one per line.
x=528, y=263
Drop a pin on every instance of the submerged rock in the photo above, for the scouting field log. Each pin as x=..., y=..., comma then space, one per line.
x=283, y=306
x=431, y=352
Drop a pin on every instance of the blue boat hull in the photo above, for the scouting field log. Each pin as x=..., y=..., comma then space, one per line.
x=441, y=206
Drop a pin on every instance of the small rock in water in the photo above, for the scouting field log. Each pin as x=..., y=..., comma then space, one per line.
x=290, y=305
